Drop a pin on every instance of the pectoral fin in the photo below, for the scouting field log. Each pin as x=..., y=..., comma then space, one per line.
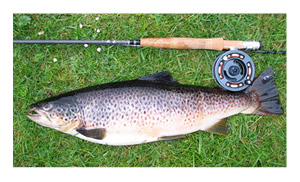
x=220, y=128
x=98, y=133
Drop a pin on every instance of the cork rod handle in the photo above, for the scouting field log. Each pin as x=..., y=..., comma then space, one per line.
x=190, y=43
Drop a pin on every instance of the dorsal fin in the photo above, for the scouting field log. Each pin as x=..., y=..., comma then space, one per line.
x=220, y=128
x=160, y=77
x=98, y=133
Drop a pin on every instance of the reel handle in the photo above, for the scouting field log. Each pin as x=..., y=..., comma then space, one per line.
x=198, y=43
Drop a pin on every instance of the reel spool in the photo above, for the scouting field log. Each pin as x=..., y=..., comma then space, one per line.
x=234, y=70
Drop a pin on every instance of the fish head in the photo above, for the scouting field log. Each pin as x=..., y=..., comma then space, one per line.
x=60, y=114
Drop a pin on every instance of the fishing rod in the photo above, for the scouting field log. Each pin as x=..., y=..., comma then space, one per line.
x=233, y=70
x=168, y=43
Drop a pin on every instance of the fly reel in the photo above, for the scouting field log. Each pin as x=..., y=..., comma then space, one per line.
x=234, y=70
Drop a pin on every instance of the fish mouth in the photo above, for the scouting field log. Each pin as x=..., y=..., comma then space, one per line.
x=33, y=113
x=39, y=117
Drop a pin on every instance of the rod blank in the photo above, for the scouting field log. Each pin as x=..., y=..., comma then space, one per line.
x=97, y=42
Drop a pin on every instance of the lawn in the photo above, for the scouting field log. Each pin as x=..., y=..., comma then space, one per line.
x=258, y=141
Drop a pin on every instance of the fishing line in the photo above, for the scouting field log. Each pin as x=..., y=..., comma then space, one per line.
x=266, y=52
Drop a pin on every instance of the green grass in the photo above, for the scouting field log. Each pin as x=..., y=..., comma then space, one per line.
x=253, y=140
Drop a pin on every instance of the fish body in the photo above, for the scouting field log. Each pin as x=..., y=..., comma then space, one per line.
x=152, y=108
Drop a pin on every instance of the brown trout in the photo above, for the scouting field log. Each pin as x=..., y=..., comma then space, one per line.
x=152, y=108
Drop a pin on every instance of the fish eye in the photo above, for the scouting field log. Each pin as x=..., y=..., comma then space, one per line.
x=47, y=107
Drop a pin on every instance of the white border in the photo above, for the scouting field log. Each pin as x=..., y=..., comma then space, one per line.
x=147, y=174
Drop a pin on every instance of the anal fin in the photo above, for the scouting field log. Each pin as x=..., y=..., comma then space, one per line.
x=171, y=138
x=98, y=133
x=220, y=127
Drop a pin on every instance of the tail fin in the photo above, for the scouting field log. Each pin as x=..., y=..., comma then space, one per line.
x=265, y=89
